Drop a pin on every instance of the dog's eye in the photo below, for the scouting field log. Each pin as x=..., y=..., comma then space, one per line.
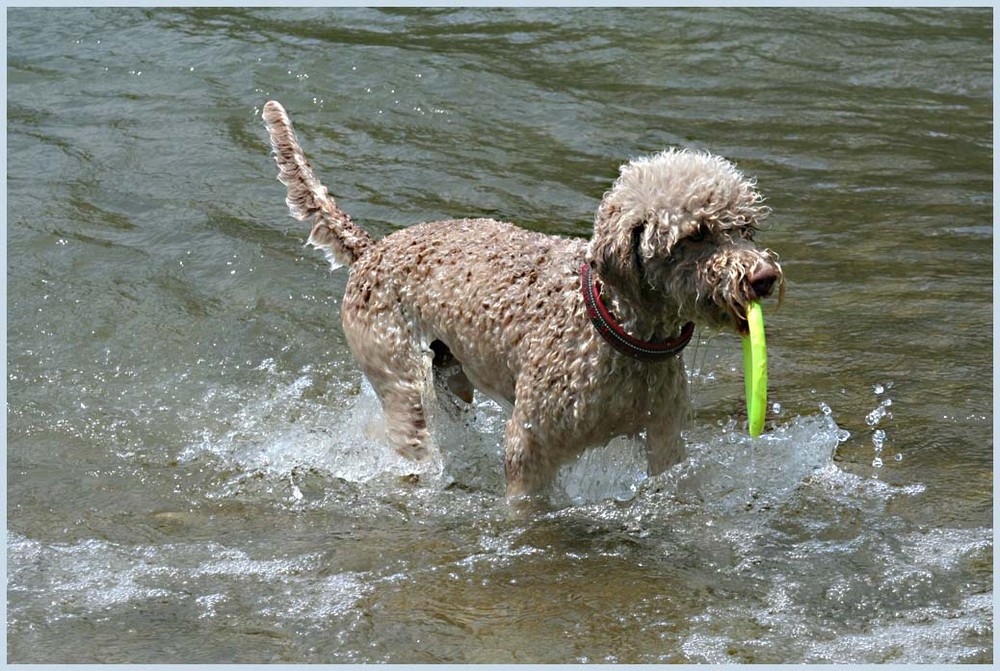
x=698, y=235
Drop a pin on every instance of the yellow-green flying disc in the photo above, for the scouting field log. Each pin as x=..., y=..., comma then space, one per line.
x=755, y=368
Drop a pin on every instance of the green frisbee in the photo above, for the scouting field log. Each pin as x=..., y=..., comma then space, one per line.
x=755, y=368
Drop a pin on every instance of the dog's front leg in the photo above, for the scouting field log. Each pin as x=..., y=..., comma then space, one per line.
x=664, y=448
x=529, y=466
x=664, y=444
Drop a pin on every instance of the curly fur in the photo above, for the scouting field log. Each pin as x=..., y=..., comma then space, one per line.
x=484, y=304
x=307, y=199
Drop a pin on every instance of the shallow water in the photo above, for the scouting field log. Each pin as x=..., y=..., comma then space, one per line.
x=193, y=470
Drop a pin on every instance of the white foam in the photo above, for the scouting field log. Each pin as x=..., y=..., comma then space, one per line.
x=928, y=635
x=79, y=579
x=86, y=577
x=282, y=433
x=725, y=470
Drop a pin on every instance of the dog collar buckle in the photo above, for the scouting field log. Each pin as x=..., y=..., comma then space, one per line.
x=615, y=335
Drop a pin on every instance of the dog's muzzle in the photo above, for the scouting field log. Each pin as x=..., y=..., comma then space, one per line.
x=762, y=280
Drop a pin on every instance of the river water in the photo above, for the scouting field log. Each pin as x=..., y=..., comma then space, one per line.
x=190, y=471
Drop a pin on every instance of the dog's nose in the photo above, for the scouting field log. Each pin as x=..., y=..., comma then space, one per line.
x=762, y=279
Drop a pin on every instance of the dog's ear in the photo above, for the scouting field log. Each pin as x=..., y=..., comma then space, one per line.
x=624, y=242
x=610, y=250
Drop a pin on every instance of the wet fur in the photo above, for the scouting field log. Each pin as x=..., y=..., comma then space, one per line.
x=499, y=308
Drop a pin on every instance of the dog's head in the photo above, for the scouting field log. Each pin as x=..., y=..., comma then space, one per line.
x=675, y=235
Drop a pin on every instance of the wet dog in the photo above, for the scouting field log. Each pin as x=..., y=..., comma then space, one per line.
x=582, y=339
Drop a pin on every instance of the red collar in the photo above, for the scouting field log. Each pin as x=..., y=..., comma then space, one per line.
x=616, y=336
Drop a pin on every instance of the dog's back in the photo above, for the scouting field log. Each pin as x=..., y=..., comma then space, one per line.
x=477, y=286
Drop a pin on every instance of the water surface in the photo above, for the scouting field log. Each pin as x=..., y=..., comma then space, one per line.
x=190, y=473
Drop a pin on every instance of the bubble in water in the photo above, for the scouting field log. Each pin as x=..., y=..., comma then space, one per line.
x=776, y=408
x=827, y=410
x=296, y=492
x=873, y=417
x=882, y=387
x=879, y=413
x=878, y=439
x=843, y=435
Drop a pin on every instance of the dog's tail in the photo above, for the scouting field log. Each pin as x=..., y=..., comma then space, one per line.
x=341, y=239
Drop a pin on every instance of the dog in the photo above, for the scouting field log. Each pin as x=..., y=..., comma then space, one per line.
x=581, y=339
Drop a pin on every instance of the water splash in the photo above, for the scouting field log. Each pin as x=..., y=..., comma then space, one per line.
x=873, y=419
x=611, y=472
x=215, y=581
x=879, y=413
x=731, y=471
x=283, y=432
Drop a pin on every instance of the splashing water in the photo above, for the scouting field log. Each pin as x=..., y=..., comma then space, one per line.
x=803, y=559
x=284, y=432
x=874, y=418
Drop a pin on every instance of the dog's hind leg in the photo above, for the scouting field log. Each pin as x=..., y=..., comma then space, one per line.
x=406, y=421
x=399, y=370
x=400, y=384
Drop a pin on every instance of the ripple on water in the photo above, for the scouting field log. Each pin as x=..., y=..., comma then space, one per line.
x=816, y=567
x=207, y=579
x=812, y=565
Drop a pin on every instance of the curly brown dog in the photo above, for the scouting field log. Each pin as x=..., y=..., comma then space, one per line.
x=582, y=339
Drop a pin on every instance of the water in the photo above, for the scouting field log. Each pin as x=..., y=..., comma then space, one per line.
x=193, y=465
